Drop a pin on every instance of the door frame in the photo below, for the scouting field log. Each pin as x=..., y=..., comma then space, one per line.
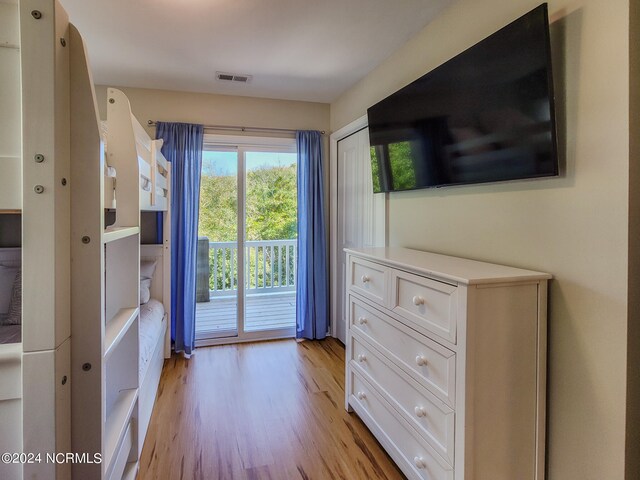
x=243, y=144
x=349, y=129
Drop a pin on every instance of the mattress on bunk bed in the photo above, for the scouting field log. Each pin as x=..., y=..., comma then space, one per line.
x=10, y=333
x=151, y=315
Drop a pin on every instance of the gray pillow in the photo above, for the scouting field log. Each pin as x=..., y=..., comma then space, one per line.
x=14, y=317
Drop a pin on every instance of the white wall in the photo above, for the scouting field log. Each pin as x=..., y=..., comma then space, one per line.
x=209, y=109
x=574, y=227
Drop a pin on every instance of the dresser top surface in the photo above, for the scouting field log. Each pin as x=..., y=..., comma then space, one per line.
x=459, y=270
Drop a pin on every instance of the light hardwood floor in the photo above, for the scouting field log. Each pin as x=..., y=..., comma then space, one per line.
x=270, y=410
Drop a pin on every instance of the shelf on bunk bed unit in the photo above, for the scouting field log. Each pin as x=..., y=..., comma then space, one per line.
x=117, y=423
x=10, y=352
x=11, y=367
x=160, y=206
x=121, y=457
x=130, y=471
x=111, y=234
x=117, y=327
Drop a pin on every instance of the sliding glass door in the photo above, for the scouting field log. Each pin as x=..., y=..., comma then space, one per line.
x=248, y=198
x=217, y=268
x=270, y=240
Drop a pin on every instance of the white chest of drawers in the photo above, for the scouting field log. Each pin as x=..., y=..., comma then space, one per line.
x=446, y=363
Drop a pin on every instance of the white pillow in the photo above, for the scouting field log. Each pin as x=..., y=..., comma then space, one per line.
x=145, y=290
x=7, y=277
x=147, y=267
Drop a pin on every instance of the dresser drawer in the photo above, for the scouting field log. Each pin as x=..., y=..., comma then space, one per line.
x=414, y=456
x=368, y=279
x=427, y=414
x=430, y=305
x=426, y=361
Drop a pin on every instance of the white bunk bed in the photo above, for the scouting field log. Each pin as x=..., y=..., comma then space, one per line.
x=34, y=190
x=153, y=168
x=10, y=136
x=10, y=141
x=10, y=258
x=120, y=342
x=112, y=397
x=154, y=181
x=155, y=334
x=10, y=379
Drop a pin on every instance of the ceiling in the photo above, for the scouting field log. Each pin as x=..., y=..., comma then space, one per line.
x=294, y=49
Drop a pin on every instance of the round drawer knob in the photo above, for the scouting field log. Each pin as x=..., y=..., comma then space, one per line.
x=365, y=279
x=419, y=462
x=421, y=361
x=361, y=395
x=362, y=320
x=420, y=412
x=418, y=300
x=362, y=358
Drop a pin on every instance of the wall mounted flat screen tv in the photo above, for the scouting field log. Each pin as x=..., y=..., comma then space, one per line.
x=486, y=115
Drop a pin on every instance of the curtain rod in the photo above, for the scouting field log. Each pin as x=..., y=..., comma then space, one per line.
x=153, y=123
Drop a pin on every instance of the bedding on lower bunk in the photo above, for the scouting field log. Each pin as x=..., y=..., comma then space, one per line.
x=10, y=304
x=10, y=333
x=151, y=316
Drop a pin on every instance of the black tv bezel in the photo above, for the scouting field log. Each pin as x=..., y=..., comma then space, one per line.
x=552, y=103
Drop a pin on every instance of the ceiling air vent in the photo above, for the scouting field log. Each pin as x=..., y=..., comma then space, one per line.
x=233, y=77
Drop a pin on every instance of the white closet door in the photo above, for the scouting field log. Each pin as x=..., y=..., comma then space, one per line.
x=361, y=214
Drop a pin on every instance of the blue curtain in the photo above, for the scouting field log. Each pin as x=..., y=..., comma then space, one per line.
x=183, y=148
x=312, y=299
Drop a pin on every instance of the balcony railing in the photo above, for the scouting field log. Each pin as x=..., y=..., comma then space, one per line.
x=270, y=267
